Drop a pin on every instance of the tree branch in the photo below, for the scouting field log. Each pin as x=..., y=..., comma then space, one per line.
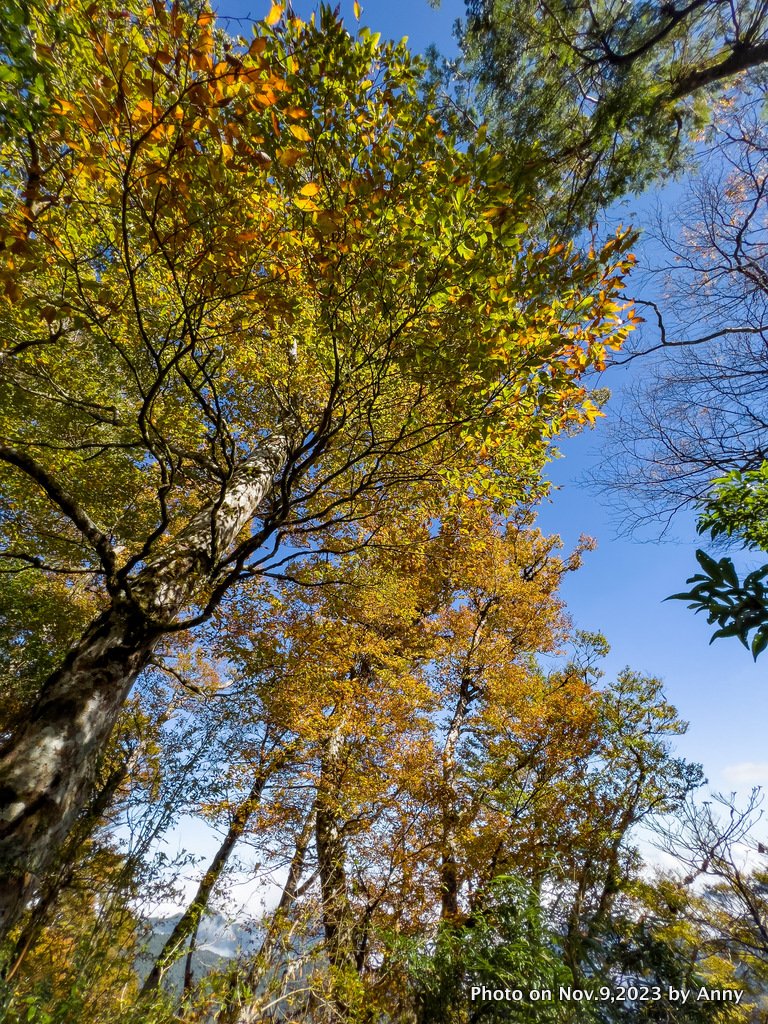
x=68, y=505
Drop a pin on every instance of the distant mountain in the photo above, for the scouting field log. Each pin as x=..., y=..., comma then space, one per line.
x=218, y=939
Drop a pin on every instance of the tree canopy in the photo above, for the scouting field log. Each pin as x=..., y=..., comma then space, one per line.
x=598, y=99
x=245, y=303
x=285, y=350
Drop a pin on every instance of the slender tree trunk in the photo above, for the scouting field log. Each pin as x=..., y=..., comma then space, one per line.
x=290, y=892
x=188, y=973
x=234, y=1009
x=470, y=688
x=449, y=856
x=331, y=856
x=47, y=766
x=189, y=922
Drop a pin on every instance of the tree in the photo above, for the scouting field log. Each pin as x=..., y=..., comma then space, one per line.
x=245, y=303
x=600, y=98
x=27, y=62
x=701, y=394
x=183, y=935
x=114, y=868
x=442, y=759
x=693, y=431
x=561, y=815
x=372, y=671
x=714, y=843
x=505, y=945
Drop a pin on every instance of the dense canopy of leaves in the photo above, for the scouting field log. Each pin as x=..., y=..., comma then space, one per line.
x=284, y=353
x=206, y=244
x=253, y=295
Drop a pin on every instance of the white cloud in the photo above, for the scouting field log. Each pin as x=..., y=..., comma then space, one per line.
x=747, y=773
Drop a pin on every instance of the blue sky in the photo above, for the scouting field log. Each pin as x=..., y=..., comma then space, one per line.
x=621, y=587
x=393, y=18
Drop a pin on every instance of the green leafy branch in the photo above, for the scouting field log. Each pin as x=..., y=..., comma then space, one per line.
x=738, y=607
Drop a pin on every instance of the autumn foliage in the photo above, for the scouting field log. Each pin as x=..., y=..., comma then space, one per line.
x=282, y=365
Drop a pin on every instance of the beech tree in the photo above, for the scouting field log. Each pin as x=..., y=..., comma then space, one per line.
x=359, y=685
x=443, y=760
x=245, y=302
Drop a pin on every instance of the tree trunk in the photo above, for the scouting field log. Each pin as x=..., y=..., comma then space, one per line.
x=64, y=873
x=190, y=920
x=290, y=892
x=188, y=973
x=449, y=856
x=338, y=924
x=47, y=766
x=234, y=1009
x=470, y=688
x=331, y=856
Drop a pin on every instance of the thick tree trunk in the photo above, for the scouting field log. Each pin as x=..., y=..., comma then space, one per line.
x=46, y=769
x=64, y=873
x=47, y=766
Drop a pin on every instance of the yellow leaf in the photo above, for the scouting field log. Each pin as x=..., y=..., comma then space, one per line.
x=310, y=189
x=327, y=221
x=274, y=15
x=299, y=133
x=306, y=204
x=356, y=8
x=288, y=157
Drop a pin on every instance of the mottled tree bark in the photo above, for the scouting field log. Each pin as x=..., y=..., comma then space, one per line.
x=47, y=766
x=64, y=873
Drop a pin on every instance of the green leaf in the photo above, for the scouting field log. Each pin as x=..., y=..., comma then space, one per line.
x=759, y=642
x=708, y=563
